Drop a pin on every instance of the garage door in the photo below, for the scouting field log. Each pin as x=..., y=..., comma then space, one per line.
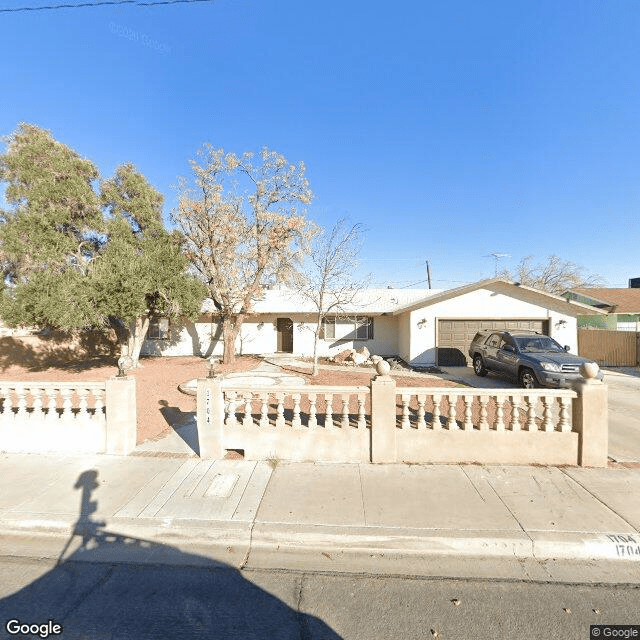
x=455, y=336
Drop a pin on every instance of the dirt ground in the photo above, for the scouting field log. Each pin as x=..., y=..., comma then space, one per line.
x=159, y=400
x=361, y=376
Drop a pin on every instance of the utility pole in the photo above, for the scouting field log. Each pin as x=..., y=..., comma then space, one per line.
x=429, y=274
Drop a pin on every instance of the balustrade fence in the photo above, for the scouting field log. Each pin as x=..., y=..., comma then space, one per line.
x=381, y=423
x=82, y=417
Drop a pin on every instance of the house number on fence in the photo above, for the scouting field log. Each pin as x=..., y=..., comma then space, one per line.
x=207, y=406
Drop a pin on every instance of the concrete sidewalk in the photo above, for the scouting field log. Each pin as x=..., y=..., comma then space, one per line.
x=331, y=517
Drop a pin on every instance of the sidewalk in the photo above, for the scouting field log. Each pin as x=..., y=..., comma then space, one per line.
x=363, y=518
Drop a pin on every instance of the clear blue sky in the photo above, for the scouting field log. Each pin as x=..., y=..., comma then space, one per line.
x=452, y=128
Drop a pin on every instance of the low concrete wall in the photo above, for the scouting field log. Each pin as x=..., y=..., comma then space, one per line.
x=68, y=417
x=384, y=424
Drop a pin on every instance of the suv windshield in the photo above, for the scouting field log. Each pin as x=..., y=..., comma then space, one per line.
x=530, y=344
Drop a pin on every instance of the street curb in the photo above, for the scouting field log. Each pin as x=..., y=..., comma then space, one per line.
x=238, y=543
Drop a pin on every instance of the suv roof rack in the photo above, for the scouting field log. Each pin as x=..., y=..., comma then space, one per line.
x=529, y=331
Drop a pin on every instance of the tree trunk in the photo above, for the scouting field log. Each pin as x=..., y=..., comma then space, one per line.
x=316, y=339
x=137, y=332
x=230, y=331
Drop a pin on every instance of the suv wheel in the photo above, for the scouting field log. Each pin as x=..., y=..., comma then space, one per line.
x=478, y=366
x=528, y=379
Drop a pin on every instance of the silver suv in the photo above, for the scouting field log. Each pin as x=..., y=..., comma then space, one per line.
x=531, y=358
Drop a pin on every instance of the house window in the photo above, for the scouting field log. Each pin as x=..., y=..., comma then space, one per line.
x=364, y=328
x=358, y=328
x=159, y=329
x=328, y=329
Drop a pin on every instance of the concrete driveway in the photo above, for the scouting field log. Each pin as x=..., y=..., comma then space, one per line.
x=465, y=375
x=624, y=405
x=624, y=414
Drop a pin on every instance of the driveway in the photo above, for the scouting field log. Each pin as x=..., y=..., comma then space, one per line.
x=624, y=405
x=465, y=375
x=624, y=414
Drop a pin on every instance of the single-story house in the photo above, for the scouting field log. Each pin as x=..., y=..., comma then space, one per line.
x=424, y=327
x=621, y=307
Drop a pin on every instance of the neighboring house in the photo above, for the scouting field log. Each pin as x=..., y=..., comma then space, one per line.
x=621, y=307
x=424, y=327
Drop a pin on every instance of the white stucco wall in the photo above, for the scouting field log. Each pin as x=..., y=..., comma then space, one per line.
x=482, y=304
x=259, y=335
x=404, y=336
x=384, y=342
x=188, y=338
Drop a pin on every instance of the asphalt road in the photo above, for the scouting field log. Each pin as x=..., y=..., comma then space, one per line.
x=142, y=602
x=624, y=406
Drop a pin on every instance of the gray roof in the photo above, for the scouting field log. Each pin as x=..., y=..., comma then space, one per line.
x=397, y=301
x=366, y=301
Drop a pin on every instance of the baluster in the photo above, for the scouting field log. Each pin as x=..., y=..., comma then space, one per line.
x=231, y=420
x=484, y=423
x=451, y=422
x=422, y=398
x=296, y=423
x=499, y=413
x=51, y=396
x=437, y=398
x=83, y=395
x=565, y=423
x=280, y=422
x=328, y=414
x=313, y=411
x=345, y=411
x=547, y=414
x=98, y=395
x=362, y=421
x=8, y=404
x=37, y=394
x=247, y=420
x=531, y=402
x=405, y=423
x=515, y=424
x=66, y=393
x=264, y=409
x=21, y=394
x=468, y=413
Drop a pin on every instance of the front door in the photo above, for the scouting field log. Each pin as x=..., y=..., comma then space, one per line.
x=285, y=335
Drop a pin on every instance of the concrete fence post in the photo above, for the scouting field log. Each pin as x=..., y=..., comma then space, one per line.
x=210, y=418
x=122, y=415
x=591, y=421
x=383, y=415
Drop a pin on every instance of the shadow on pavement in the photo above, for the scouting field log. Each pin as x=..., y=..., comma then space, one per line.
x=107, y=585
x=183, y=423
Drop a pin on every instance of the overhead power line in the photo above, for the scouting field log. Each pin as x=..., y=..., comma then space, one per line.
x=101, y=3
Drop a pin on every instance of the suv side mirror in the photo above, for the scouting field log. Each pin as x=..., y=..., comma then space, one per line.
x=567, y=347
x=509, y=348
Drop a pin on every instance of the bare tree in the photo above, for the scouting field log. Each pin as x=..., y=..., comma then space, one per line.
x=555, y=275
x=240, y=243
x=329, y=282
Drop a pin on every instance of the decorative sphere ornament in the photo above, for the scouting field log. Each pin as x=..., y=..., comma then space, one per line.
x=383, y=368
x=589, y=370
